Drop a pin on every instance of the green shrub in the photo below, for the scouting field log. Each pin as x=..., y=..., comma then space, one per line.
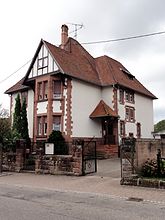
x=150, y=169
x=60, y=146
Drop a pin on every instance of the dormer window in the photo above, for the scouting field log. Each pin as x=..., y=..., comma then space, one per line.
x=127, y=73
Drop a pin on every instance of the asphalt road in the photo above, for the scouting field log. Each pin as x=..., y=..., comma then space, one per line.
x=24, y=203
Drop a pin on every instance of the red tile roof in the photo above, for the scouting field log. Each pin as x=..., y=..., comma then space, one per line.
x=102, y=110
x=75, y=61
x=17, y=87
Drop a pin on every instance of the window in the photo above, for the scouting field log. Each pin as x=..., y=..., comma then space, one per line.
x=129, y=97
x=42, y=125
x=122, y=128
x=39, y=126
x=57, y=89
x=57, y=123
x=121, y=96
x=45, y=125
x=40, y=91
x=130, y=114
x=138, y=130
x=45, y=89
x=42, y=62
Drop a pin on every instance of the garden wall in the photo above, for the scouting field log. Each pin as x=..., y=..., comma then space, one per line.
x=60, y=164
x=148, y=149
x=46, y=164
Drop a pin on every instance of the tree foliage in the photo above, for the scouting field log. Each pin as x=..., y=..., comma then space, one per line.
x=5, y=126
x=160, y=126
x=24, y=123
x=17, y=117
x=20, y=122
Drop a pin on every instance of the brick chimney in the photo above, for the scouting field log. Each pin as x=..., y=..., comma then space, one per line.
x=64, y=35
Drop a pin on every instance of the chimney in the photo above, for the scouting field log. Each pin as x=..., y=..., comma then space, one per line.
x=64, y=35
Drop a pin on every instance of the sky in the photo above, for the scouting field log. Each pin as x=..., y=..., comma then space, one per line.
x=24, y=22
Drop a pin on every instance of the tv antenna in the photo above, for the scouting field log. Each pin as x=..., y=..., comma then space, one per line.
x=76, y=28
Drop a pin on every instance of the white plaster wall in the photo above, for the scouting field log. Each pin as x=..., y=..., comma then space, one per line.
x=14, y=95
x=85, y=98
x=65, y=104
x=42, y=107
x=144, y=115
x=107, y=95
x=57, y=106
x=30, y=112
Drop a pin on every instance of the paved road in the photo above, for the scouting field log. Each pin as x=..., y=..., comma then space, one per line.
x=24, y=203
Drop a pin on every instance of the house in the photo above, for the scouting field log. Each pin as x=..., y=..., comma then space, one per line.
x=67, y=89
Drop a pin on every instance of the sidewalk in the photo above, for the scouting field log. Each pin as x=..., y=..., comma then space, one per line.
x=89, y=184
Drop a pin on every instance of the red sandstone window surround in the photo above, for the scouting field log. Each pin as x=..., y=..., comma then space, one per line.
x=42, y=90
x=129, y=97
x=42, y=125
x=57, y=123
x=121, y=96
x=57, y=89
x=130, y=114
x=45, y=89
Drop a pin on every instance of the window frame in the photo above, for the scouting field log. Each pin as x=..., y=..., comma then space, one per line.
x=57, y=95
x=129, y=114
x=55, y=125
x=122, y=128
x=121, y=96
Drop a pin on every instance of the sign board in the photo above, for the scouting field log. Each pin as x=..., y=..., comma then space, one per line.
x=49, y=148
x=89, y=166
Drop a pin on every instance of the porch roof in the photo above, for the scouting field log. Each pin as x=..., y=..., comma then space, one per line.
x=102, y=110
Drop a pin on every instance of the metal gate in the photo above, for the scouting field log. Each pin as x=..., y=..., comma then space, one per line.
x=127, y=154
x=29, y=162
x=89, y=159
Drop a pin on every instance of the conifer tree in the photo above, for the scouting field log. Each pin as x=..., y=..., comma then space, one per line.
x=17, y=118
x=24, y=122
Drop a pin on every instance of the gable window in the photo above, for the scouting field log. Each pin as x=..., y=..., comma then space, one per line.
x=121, y=96
x=57, y=123
x=122, y=128
x=130, y=114
x=42, y=65
x=138, y=130
x=57, y=89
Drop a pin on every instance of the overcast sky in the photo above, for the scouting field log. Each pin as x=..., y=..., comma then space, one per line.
x=24, y=22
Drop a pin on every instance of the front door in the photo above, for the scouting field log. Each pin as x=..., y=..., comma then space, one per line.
x=108, y=130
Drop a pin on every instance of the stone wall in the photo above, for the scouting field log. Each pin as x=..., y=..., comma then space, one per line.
x=148, y=149
x=107, y=151
x=60, y=164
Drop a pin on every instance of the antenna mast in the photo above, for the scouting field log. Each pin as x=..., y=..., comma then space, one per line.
x=76, y=28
